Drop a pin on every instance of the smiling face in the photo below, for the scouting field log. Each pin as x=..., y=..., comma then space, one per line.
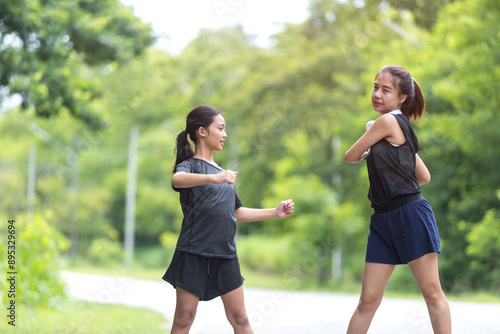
x=216, y=134
x=385, y=96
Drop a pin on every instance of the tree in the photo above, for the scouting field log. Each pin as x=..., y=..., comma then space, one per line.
x=47, y=46
x=425, y=12
x=460, y=66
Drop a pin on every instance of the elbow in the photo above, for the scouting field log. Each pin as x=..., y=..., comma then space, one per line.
x=175, y=182
x=424, y=179
x=237, y=213
x=348, y=158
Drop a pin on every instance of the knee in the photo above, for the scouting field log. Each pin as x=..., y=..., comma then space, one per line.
x=239, y=318
x=184, y=319
x=368, y=303
x=433, y=295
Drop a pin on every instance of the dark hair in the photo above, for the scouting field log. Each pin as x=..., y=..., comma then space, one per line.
x=201, y=116
x=414, y=105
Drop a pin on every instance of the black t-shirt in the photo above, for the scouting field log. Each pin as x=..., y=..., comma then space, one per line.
x=209, y=223
x=391, y=169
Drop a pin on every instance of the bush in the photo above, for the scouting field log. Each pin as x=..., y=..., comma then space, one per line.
x=105, y=251
x=169, y=240
x=266, y=254
x=484, y=249
x=38, y=246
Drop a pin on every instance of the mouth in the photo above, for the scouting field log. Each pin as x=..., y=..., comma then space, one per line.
x=376, y=104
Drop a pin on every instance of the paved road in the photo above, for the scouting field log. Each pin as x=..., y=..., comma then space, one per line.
x=284, y=312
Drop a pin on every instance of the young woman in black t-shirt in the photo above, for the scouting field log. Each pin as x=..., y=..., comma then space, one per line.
x=205, y=263
x=402, y=228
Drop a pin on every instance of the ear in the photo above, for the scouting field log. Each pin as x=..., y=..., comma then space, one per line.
x=202, y=132
x=403, y=99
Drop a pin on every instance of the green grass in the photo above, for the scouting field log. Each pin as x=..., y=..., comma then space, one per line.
x=116, y=269
x=80, y=317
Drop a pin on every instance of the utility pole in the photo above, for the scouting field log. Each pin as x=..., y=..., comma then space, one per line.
x=131, y=195
x=74, y=194
x=336, y=182
x=31, y=183
x=337, y=160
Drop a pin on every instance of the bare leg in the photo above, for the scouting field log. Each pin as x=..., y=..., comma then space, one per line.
x=425, y=272
x=234, y=304
x=375, y=278
x=185, y=311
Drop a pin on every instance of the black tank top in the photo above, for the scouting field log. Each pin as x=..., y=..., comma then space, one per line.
x=391, y=171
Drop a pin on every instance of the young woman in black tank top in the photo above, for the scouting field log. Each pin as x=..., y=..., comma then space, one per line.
x=403, y=229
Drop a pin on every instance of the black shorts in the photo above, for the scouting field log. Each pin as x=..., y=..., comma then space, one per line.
x=205, y=277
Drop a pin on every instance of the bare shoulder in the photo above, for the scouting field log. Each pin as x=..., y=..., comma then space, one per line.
x=385, y=122
x=389, y=125
x=387, y=119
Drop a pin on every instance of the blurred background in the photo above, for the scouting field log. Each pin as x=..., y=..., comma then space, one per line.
x=93, y=95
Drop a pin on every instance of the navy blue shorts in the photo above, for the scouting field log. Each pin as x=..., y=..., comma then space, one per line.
x=205, y=277
x=403, y=234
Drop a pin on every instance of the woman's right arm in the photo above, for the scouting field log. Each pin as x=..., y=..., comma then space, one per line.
x=188, y=180
x=384, y=127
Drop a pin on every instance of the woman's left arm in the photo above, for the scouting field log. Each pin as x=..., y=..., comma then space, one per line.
x=285, y=208
x=422, y=174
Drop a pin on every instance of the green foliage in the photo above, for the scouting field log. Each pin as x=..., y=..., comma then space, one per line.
x=319, y=224
x=461, y=64
x=45, y=47
x=292, y=110
x=168, y=239
x=484, y=249
x=103, y=250
x=153, y=257
x=425, y=11
x=38, y=248
x=268, y=253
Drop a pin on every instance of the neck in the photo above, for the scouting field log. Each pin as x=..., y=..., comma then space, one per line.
x=203, y=154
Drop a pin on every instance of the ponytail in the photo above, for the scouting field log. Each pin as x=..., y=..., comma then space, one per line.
x=183, y=149
x=414, y=105
x=199, y=117
x=417, y=108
